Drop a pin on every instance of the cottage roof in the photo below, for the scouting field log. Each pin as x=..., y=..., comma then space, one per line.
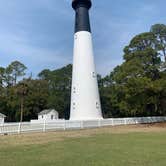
x=2, y=115
x=46, y=112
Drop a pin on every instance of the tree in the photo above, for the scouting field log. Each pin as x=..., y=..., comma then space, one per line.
x=36, y=99
x=59, y=82
x=14, y=70
x=134, y=81
x=142, y=57
x=2, y=76
x=22, y=92
x=45, y=74
x=159, y=30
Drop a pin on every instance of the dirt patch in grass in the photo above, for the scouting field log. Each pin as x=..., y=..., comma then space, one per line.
x=43, y=138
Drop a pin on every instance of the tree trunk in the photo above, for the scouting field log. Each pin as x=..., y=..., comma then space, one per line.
x=22, y=109
x=164, y=54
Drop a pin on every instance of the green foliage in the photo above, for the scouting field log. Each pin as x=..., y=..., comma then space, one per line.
x=36, y=98
x=159, y=30
x=14, y=70
x=137, y=87
x=51, y=90
x=59, y=82
x=2, y=76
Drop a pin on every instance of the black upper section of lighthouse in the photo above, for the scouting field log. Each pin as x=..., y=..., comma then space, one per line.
x=82, y=22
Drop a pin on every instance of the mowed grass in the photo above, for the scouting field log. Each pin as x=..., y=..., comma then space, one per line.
x=117, y=146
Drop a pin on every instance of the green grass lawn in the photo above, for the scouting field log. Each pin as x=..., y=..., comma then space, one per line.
x=112, y=149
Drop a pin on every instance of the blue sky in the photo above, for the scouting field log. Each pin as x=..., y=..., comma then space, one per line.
x=39, y=33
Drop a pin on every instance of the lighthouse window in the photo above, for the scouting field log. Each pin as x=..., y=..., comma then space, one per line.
x=94, y=74
x=74, y=104
x=74, y=90
x=97, y=105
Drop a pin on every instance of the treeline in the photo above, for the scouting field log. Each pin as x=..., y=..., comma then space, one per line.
x=135, y=88
x=23, y=98
x=138, y=86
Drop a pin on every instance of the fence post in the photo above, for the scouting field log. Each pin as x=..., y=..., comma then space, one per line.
x=125, y=120
x=64, y=125
x=99, y=123
x=82, y=124
x=44, y=126
x=112, y=122
x=19, y=128
x=1, y=128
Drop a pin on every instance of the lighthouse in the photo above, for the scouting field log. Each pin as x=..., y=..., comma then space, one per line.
x=85, y=99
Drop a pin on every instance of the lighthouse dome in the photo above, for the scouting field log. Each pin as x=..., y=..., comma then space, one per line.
x=84, y=3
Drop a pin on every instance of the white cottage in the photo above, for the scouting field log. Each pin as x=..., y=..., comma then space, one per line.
x=48, y=115
x=2, y=118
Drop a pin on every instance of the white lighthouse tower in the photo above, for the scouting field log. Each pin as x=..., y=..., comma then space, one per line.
x=85, y=100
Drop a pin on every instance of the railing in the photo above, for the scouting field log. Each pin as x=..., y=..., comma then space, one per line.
x=17, y=128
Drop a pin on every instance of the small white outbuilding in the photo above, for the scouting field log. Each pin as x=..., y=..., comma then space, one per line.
x=48, y=115
x=2, y=118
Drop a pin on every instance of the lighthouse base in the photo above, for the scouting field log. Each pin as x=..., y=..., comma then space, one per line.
x=86, y=118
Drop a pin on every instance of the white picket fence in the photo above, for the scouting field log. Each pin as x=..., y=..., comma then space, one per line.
x=17, y=128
